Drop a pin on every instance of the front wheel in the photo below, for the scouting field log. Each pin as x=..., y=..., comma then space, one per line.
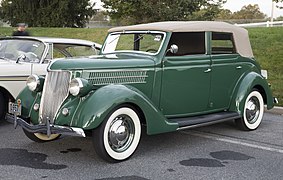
x=40, y=137
x=253, y=112
x=117, y=138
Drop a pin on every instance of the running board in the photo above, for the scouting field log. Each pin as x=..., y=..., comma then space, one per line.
x=203, y=120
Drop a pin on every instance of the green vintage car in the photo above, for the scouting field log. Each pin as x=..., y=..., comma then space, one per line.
x=163, y=76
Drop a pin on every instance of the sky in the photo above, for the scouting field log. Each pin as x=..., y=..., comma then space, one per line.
x=236, y=5
x=264, y=5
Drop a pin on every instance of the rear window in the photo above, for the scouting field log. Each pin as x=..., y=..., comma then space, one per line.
x=222, y=43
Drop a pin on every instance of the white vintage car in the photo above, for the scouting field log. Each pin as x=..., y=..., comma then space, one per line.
x=23, y=56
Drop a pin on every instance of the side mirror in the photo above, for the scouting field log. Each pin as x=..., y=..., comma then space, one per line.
x=173, y=49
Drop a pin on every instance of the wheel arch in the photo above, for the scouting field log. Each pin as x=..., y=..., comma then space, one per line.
x=7, y=95
x=261, y=90
x=138, y=110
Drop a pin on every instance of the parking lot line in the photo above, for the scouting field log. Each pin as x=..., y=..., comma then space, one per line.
x=233, y=141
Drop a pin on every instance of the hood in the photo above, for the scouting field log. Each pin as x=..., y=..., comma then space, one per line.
x=110, y=61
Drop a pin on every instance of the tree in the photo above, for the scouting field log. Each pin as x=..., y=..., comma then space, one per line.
x=280, y=18
x=224, y=14
x=47, y=13
x=249, y=12
x=140, y=11
x=278, y=1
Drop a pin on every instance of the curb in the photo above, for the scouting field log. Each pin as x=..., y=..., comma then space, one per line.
x=275, y=110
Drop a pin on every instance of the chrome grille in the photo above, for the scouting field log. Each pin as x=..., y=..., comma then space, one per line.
x=116, y=77
x=56, y=88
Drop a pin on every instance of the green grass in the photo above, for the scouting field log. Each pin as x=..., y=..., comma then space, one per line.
x=267, y=44
x=92, y=34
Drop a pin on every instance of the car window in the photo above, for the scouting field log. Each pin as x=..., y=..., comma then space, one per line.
x=81, y=50
x=57, y=53
x=67, y=50
x=189, y=43
x=30, y=50
x=148, y=42
x=222, y=43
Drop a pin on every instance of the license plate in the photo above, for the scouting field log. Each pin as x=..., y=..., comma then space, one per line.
x=15, y=109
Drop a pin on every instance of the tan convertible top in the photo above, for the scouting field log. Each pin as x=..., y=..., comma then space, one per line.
x=240, y=35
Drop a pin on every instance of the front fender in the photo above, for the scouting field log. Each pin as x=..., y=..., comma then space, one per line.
x=27, y=98
x=247, y=83
x=95, y=108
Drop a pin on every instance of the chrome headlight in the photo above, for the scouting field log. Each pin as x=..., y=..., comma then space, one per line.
x=35, y=83
x=79, y=86
x=75, y=86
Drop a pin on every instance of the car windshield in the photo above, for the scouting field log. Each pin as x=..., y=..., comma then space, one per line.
x=25, y=50
x=143, y=42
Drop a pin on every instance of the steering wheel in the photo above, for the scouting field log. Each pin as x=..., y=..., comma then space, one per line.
x=28, y=57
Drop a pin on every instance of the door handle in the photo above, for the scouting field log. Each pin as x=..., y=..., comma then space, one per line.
x=208, y=70
x=239, y=67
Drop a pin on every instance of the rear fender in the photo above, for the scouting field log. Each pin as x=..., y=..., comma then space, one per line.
x=251, y=81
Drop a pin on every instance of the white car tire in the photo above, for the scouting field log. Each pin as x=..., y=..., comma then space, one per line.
x=117, y=138
x=252, y=113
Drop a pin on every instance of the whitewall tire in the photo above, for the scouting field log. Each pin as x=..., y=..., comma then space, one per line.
x=253, y=112
x=117, y=138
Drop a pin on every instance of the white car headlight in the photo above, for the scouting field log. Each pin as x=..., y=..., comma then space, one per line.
x=33, y=82
x=79, y=87
x=75, y=86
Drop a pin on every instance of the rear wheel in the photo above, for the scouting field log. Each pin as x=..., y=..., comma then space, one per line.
x=40, y=137
x=3, y=106
x=117, y=138
x=253, y=112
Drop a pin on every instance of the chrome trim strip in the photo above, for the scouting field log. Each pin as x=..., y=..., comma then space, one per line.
x=207, y=123
x=13, y=78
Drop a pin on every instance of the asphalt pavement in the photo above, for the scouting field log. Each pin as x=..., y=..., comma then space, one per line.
x=219, y=151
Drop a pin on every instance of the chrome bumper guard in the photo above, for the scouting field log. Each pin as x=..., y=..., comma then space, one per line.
x=46, y=129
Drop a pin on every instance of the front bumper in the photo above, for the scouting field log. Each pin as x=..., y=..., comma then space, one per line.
x=46, y=129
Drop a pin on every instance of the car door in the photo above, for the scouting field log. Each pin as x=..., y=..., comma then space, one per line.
x=226, y=69
x=186, y=76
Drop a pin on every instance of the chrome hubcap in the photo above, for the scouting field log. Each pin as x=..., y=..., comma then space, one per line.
x=252, y=110
x=121, y=133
